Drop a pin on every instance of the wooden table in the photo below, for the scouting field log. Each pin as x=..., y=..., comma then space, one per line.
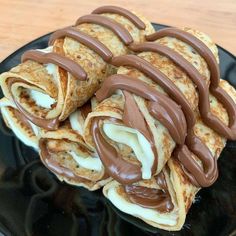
x=24, y=20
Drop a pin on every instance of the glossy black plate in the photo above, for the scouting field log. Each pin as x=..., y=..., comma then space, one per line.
x=34, y=203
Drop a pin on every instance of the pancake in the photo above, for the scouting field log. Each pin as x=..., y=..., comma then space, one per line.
x=24, y=130
x=169, y=210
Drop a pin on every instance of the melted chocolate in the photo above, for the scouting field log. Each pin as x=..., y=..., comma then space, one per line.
x=117, y=28
x=208, y=176
x=48, y=124
x=83, y=38
x=123, y=12
x=55, y=167
x=200, y=177
x=212, y=121
x=119, y=169
x=158, y=199
x=173, y=118
x=132, y=117
x=75, y=69
x=193, y=143
x=161, y=79
x=67, y=64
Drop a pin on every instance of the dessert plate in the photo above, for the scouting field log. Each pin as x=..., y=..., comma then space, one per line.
x=34, y=202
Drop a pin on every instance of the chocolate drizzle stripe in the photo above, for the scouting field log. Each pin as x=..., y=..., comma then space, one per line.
x=161, y=79
x=204, y=177
x=208, y=174
x=174, y=116
x=158, y=199
x=83, y=38
x=48, y=124
x=174, y=119
x=194, y=42
x=186, y=66
x=133, y=117
x=198, y=175
x=121, y=170
x=67, y=64
x=212, y=121
x=123, y=12
x=193, y=143
x=117, y=28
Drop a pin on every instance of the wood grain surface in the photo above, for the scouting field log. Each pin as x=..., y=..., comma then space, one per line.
x=21, y=21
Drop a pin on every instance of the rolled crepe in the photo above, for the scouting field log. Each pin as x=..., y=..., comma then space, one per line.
x=121, y=131
x=24, y=130
x=164, y=200
x=51, y=83
x=65, y=153
x=165, y=204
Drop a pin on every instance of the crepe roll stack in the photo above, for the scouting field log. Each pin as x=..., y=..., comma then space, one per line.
x=51, y=83
x=190, y=125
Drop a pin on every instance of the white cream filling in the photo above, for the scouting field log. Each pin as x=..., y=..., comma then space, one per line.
x=46, y=50
x=138, y=211
x=91, y=163
x=41, y=99
x=139, y=144
x=77, y=122
x=20, y=135
x=52, y=70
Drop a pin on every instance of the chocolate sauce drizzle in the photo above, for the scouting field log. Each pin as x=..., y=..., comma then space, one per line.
x=67, y=64
x=71, y=66
x=162, y=108
x=121, y=170
x=158, y=199
x=206, y=176
x=193, y=142
x=139, y=123
x=83, y=38
x=123, y=12
x=212, y=121
x=158, y=77
x=48, y=124
x=114, y=26
x=199, y=176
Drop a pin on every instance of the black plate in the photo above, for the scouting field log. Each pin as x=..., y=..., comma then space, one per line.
x=34, y=202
